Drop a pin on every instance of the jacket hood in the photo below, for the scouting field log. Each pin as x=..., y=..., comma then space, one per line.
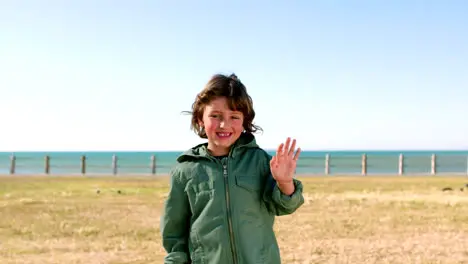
x=245, y=141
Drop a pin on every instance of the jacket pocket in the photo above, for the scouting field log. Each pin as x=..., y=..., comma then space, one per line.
x=200, y=193
x=204, y=188
x=251, y=183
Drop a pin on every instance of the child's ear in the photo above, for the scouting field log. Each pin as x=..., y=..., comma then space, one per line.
x=200, y=123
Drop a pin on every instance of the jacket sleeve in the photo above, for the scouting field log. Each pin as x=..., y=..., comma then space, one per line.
x=276, y=201
x=175, y=222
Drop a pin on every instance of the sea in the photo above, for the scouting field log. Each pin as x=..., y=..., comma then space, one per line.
x=310, y=162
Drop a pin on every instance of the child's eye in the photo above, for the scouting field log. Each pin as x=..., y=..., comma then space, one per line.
x=235, y=117
x=214, y=116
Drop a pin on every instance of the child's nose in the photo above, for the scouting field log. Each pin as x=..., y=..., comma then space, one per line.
x=224, y=123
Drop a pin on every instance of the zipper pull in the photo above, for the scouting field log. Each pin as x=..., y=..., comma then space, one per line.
x=224, y=168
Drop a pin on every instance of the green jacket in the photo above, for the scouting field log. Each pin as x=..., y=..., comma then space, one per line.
x=221, y=211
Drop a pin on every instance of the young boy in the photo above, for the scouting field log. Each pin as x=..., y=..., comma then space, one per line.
x=225, y=193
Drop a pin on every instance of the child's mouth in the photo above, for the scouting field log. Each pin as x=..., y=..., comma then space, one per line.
x=223, y=135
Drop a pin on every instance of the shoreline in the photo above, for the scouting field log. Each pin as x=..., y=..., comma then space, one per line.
x=163, y=176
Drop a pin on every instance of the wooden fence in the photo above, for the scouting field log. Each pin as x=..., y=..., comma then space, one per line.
x=305, y=163
x=364, y=166
x=83, y=165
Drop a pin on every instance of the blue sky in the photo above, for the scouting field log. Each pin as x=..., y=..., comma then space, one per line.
x=115, y=75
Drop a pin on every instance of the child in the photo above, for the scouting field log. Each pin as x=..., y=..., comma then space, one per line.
x=225, y=193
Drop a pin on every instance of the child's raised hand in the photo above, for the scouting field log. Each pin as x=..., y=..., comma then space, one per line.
x=283, y=164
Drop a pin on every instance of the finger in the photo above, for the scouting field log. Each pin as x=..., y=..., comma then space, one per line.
x=291, y=150
x=298, y=152
x=286, y=148
x=279, y=151
x=273, y=161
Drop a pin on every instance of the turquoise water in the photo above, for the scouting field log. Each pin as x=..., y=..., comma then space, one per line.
x=311, y=162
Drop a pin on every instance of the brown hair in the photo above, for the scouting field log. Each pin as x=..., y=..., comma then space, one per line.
x=238, y=100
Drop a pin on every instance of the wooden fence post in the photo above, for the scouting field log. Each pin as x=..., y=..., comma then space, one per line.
x=47, y=164
x=83, y=164
x=401, y=165
x=433, y=164
x=364, y=164
x=12, y=164
x=327, y=164
x=153, y=164
x=114, y=164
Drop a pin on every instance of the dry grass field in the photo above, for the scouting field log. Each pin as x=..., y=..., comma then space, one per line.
x=359, y=220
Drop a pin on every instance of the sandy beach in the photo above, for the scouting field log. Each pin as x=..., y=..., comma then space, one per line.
x=77, y=219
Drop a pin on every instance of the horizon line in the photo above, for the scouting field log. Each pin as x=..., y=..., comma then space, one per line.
x=266, y=149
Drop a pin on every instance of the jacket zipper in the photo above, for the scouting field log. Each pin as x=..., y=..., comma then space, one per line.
x=231, y=232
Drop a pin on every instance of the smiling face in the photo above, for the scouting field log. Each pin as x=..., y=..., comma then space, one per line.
x=222, y=126
x=221, y=112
